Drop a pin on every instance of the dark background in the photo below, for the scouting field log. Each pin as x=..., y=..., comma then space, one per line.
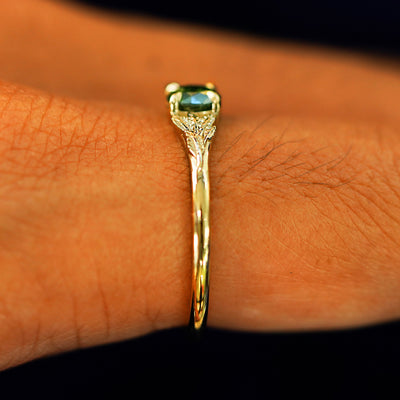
x=370, y=25
x=353, y=364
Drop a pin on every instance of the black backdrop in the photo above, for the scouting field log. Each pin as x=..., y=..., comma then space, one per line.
x=353, y=364
x=371, y=25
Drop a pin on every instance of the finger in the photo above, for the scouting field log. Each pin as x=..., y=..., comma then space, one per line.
x=95, y=227
x=75, y=51
x=93, y=245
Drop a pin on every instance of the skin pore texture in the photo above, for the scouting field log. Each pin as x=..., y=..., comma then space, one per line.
x=95, y=201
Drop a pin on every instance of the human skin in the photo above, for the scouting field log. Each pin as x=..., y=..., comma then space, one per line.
x=95, y=202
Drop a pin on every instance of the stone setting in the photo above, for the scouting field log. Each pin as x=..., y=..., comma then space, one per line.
x=194, y=109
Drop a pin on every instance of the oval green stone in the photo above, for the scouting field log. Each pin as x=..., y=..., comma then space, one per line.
x=195, y=98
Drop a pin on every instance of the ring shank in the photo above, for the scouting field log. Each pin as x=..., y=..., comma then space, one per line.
x=201, y=238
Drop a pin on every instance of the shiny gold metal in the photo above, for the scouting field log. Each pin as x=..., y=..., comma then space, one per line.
x=198, y=128
x=210, y=85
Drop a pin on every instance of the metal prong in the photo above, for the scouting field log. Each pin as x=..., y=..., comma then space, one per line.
x=171, y=88
x=210, y=85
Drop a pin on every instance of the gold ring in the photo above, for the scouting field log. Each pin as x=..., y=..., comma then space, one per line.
x=194, y=110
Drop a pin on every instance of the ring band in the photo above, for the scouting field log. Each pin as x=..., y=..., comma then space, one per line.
x=194, y=110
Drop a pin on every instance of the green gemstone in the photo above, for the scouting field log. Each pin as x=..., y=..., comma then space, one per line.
x=195, y=98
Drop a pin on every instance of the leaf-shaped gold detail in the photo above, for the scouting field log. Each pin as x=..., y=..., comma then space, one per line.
x=201, y=129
